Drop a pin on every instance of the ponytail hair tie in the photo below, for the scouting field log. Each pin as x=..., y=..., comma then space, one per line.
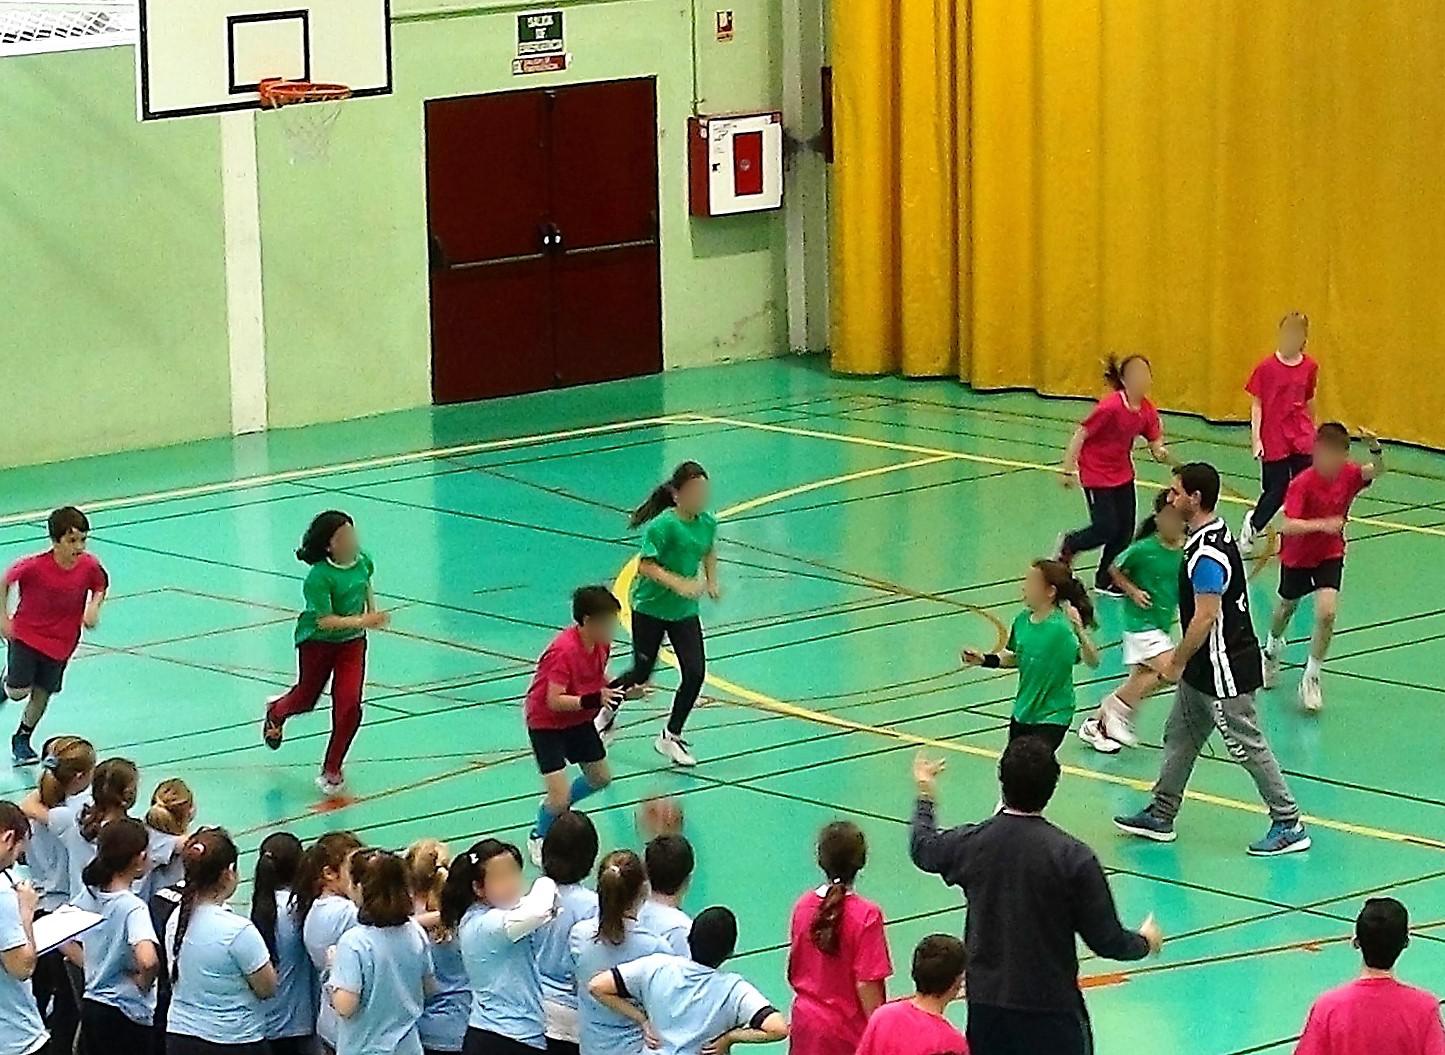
x=473, y=859
x=50, y=764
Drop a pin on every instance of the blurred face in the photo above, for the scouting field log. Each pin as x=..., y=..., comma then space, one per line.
x=1138, y=378
x=344, y=544
x=1171, y=524
x=1037, y=593
x=501, y=882
x=1292, y=338
x=601, y=628
x=70, y=545
x=1330, y=458
x=1186, y=505
x=693, y=496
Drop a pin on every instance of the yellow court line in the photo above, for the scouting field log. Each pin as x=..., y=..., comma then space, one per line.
x=817, y=485
x=289, y=475
x=983, y=459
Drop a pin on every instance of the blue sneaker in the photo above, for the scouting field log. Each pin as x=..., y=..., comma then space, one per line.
x=1146, y=824
x=21, y=751
x=1281, y=839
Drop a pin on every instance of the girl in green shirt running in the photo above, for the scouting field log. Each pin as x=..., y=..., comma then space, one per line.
x=1047, y=639
x=677, y=565
x=330, y=640
x=1148, y=574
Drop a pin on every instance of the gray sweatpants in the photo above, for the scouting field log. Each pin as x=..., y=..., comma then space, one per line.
x=1194, y=717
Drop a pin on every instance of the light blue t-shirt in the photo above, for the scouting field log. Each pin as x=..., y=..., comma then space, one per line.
x=292, y=1011
x=330, y=917
x=687, y=1003
x=212, y=998
x=603, y=1031
x=167, y=867
x=23, y=1031
x=110, y=952
x=506, y=985
x=387, y=967
x=443, y=1025
x=79, y=851
x=554, y=953
x=48, y=861
x=673, y=924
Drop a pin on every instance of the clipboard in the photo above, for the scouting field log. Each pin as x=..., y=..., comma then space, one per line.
x=62, y=926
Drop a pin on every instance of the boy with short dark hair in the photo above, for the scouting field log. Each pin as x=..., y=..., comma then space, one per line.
x=567, y=691
x=1376, y=1014
x=670, y=862
x=915, y=1025
x=61, y=591
x=1281, y=419
x=1312, y=551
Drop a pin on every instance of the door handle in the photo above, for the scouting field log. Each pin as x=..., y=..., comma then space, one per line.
x=551, y=238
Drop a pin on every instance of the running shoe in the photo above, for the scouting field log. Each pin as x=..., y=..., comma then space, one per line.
x=1281, y=839
x=1117, y=723
x=1092, y=733
x=673, y=748
x=606, y=722
x=21, y=751
x=534, y=848
x=1146, y=824
x=271, y=732
x=1310, y=693
x=333, y=786
x=1248, y=536
x=1273, y=662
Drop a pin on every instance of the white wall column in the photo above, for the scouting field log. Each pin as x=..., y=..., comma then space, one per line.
x=807, y=188
x=241, y=204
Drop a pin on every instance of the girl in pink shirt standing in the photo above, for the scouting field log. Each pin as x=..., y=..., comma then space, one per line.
x=838, y=963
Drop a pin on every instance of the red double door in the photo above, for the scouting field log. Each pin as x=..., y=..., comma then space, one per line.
x=542, y=208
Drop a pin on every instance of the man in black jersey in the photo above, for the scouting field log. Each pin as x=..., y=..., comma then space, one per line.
x=1219, y=668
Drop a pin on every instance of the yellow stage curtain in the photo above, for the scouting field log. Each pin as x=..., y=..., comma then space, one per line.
x=1162, y=176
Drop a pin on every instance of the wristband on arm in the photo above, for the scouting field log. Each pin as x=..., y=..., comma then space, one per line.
x=991, y=661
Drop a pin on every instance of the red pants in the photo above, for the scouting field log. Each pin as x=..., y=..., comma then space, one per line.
x=345, y=665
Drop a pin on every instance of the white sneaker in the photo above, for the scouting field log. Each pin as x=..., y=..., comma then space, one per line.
x=1310, y=693
x=1273, y=661
x=674, y=749
x=1092, y=734
x=1116, y=724
x=606, y=722
x=331, y=787
x=1248, y=536
x=534, y=849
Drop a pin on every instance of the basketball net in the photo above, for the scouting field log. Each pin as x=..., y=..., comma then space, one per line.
x=311, y=113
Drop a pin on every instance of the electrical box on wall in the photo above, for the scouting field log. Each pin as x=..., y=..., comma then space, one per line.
x=735, y=163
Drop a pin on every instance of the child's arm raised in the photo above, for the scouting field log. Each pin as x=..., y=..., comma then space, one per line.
x=1376, y=468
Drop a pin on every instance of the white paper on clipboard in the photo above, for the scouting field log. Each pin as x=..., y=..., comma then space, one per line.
x=60, y=927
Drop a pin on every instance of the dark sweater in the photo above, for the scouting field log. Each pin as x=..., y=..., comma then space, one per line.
x=1030, y=888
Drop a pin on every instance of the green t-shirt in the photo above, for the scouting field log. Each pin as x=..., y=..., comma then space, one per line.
x=1154, y=568
x=1046, y=652
x=678, y=546
x=333, y=590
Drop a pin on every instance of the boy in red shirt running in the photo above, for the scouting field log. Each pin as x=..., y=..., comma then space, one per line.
x=61, y=591
x=1281, y=421
x=567, y=691
x=1312, y=551
x=915, y=1025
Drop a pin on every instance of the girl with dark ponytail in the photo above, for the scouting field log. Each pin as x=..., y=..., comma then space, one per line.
x=324, y=909
x=1047, y=639
x=291, y=1014
x=838, y=962
x=121, y=952
x=677, y=565
x=1100, y=458
x=608, y=940
x=221, y=970
x=113, y=792
x=330, y=640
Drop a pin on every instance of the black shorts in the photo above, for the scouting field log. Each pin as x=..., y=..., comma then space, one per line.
x=554, y=748
x=29, y=669
x=1295, y=583
x=1051, y=734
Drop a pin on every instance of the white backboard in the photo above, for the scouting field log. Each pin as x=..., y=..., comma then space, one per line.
x=207, y=56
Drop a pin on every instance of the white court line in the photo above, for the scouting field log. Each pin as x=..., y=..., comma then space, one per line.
x=245, y=482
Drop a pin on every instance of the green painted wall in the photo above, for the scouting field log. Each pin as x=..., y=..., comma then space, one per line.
x=112, y=287
x=112, y=297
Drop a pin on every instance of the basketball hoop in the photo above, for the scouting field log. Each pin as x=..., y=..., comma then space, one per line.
x=308, y=129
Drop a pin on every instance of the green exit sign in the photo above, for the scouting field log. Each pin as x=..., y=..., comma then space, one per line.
x=540, y=33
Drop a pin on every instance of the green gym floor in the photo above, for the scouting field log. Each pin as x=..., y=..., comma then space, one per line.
x=869, y=529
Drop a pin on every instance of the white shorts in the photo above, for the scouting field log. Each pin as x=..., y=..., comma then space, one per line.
x=1142, y=646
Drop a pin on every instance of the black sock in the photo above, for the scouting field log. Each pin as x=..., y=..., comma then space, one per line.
x=24, y=730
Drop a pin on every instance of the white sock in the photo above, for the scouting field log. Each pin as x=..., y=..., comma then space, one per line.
x=1312, y=668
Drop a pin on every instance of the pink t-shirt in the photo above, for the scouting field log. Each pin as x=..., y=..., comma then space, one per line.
x=902, y=1028
x=1107, y=457
x=1284, y=393
x=52, y=601
x=580, y=671
x=1374, y=1016
x=827, y=1018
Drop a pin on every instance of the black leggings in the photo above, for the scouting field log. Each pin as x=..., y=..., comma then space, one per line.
x=1111, y=525
x=56, y=999
x=1274, y=479
x=108, y=1031
x=485, y=1042
x=181, y=1044
x=685, y=636
x=1005, y=1031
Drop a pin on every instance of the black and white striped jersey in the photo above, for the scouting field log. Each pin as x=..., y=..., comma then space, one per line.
x=1229, y=664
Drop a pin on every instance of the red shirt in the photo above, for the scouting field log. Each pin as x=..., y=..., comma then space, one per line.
x=1107, y=456
x=827, y=1018
x=902, y=1028
x=1284, y=393
x=1373, y=1016
x=568, y=663
x=1312, y=497
x=52, y=601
